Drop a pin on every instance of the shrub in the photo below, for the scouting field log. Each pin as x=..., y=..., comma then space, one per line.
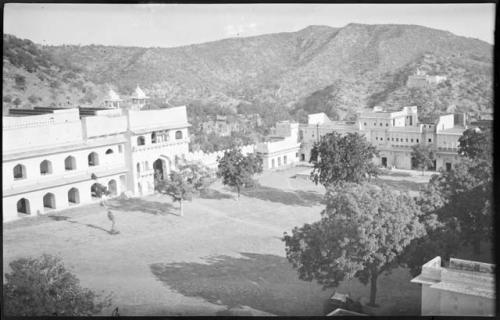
x=43, y=286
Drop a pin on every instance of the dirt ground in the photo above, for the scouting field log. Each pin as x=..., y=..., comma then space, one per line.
x=222, y=253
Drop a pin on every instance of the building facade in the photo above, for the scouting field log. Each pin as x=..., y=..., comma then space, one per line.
x=282, y=148
x=464, y=288
x=52, y=156
x=393, y=134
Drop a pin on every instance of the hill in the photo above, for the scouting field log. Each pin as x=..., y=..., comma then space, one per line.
x=319, y=68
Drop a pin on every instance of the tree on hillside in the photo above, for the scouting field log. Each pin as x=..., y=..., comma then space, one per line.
x=187, y=181
x=362, y=231
x=476, y=144
x=44, y=287
x=423, y=156
x=339, y=158
x=237, y=170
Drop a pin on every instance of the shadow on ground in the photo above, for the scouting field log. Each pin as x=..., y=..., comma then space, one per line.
x=214, y=194
x=260, y=281
x=90, y=225
x=141, y=205
x=298, y=197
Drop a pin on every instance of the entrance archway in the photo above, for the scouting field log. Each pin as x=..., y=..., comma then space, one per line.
x=49, y=201
x=73, y=196
x=23, y=206
x=159, y=167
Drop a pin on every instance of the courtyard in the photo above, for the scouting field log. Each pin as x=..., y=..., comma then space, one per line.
x=222, y=253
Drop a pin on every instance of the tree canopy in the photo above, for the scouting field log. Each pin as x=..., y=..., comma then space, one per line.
x=188, y=180
x=237, y=170
x=476, y=144
x=44, y=287
x=362, y=231
x=423, y=156
x=338, y=158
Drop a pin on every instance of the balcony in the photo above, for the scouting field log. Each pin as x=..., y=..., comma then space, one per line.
x=160, y=145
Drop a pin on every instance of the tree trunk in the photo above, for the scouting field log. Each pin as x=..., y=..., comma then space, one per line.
x=373, y=287
x=180, y=205
x=238, y=189
x=423, y=169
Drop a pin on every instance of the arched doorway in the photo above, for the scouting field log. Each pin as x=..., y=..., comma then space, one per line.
x=159, y=167
x=23, y=206
x=49, y=201
x=73, y=196
x=112, y=187
x=95, y=191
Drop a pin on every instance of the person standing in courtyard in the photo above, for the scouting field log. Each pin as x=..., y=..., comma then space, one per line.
x=111, y=218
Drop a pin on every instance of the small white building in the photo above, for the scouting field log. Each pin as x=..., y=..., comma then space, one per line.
x=464, y=288
x=138, y=98
x=282, y=149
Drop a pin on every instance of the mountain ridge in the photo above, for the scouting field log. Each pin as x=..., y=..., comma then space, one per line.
x=366, y=62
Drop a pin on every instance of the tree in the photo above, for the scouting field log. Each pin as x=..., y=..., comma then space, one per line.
x=237, y=170
x=20, y=81
x=362, y=232
x=476, y=144
x=44, y=287
x=423, y=156
x=190, y=179
x=339, y=158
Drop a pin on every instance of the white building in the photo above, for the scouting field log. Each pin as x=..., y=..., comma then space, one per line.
x=50, y=154
x=282, y=149
x=464, y=288
x=393, y=134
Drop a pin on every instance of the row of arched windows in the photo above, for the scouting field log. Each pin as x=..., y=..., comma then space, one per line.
x=157, y=137
x=73, y=197
x=20, y=172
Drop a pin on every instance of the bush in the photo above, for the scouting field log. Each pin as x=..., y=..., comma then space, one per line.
x=7, y=99
x=20, y=81
x=43, y=287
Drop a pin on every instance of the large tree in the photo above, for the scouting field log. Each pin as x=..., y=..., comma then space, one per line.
x=44, y=287
x=338, y=158
x=362, y=231
x=188, y=180
x=476, y=144
x=237, y=170
x=423, y=156
x=464, y=197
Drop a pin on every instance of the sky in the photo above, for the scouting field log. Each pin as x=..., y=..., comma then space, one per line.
x=171, y=25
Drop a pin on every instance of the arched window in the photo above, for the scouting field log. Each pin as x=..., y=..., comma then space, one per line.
x=73, y=196
x=93, y=159
x=178, y=134
x=141, y=141
x=23, y=206
x=19, y=172
x=49, y=201
x=138, y=168
x=45, y=167
x=70, y=163
x=109, y=151
x=153, y=137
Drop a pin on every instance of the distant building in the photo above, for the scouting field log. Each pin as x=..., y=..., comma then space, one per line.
x=282, y=148
x=138, y=99
x=421, y=80
x=464, y=288
x=393, y=134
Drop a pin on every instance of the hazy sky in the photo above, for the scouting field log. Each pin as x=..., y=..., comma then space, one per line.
x=168, y=25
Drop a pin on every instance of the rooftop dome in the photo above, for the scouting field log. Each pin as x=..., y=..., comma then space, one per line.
x=139, y=94
x=113, y=96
